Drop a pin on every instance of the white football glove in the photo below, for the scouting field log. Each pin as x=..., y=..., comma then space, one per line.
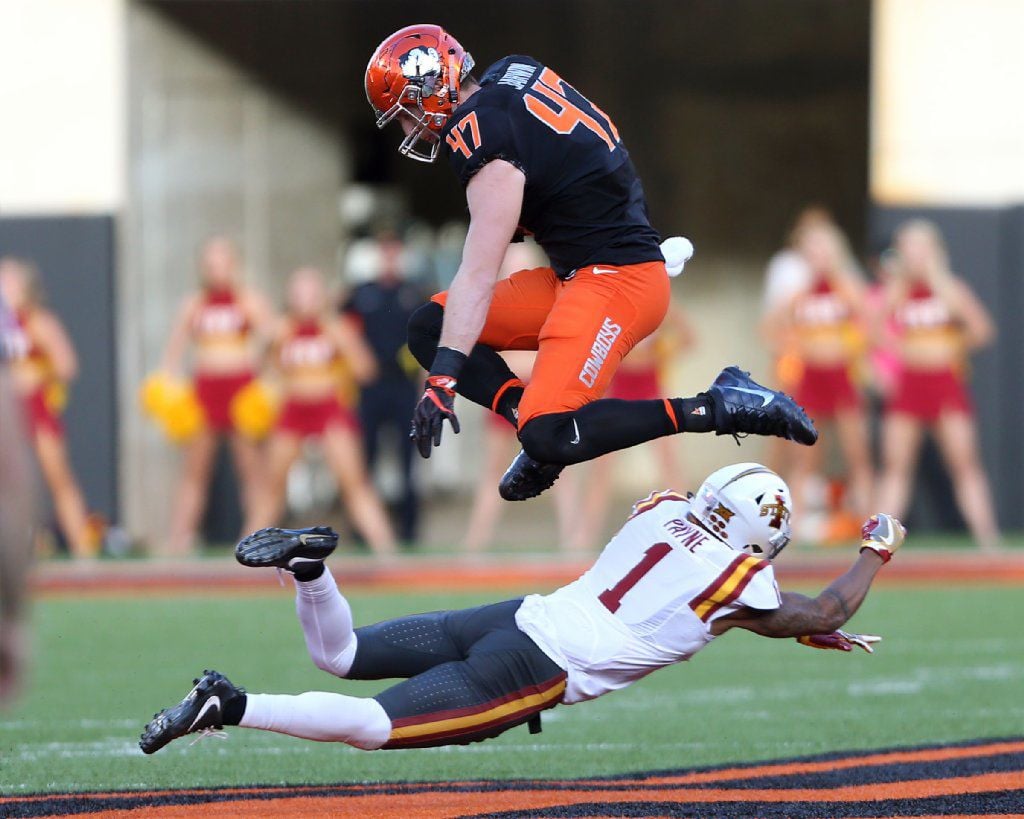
x=883, y=534
x=677, y=250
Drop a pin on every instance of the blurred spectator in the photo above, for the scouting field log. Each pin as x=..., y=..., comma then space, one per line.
x=380, y=310
x=500, y=441
x=224, y=324
x=319, y=356
x=823, y=322
x=639, y=378
x=17, y=516
x=786, y=275
x=939, y=322
x=500, y=446
x=42, y=363
x=788, y=272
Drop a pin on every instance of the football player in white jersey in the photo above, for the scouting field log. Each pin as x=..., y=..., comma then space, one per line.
x=682, y=571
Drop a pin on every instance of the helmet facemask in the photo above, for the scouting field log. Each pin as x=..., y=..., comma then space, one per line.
x=425, y=125
x=776, y=543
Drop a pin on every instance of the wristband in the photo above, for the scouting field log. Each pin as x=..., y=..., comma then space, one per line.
x=448, y=362
x=878, y=549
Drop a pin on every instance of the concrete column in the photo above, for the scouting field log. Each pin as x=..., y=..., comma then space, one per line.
x=209, y=151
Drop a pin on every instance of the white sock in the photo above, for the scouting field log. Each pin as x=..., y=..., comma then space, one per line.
x=326, y=619
x=321, y=716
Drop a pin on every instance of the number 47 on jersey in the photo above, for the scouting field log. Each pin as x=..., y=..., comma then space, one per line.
x=548, y=100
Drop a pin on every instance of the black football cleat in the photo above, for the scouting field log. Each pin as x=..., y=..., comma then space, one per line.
x=284, y=548
x=526, y=478
x=742, y=406
x=201, y=712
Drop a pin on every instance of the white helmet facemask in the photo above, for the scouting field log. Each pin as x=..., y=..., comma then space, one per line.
x=748, y=507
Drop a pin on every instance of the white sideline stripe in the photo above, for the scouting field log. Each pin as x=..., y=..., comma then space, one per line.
x=87, y=724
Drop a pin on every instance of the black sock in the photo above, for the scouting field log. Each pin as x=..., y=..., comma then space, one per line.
x=609, y=425
x=508, y=405
x=596, y=429
x=693, y=414
x=234, y=710
x=306, y=571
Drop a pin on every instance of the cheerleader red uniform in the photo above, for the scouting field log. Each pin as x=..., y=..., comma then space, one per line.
x=925, y=394
x=22, y=353
x=220, y=320
x=640, y=384
x=307, y=348
x=824, y=390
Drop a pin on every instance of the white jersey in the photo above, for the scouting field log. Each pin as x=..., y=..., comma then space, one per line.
x=647, y=602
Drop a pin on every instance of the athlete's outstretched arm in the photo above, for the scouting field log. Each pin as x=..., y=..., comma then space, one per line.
x=799, y=615
x=495, y=198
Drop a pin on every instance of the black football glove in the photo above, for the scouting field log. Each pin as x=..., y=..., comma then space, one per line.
x=436, y=404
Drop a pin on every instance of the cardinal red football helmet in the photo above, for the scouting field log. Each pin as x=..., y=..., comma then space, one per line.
x=417, y=71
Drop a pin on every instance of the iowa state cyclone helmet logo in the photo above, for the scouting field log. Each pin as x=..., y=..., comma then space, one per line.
x=778, y=511
x=421, y=62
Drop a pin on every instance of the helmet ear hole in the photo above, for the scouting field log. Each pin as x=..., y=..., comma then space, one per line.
x=757, y=550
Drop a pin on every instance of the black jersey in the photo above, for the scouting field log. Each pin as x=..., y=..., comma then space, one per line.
x=583, y=200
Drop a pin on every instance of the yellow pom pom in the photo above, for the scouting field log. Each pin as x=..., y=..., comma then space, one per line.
x=348, y=389
x=56, y=397
x=156, y=392
x=254, y=410
x=182, y=417
x=172, y=405
x=789, y=369
x=407, y=361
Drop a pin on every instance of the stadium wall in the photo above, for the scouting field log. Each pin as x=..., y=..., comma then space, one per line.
x=210, y=150
x=76, y=257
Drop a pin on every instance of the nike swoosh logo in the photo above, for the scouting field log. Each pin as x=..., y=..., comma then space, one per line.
x=601, y=270
x=766, y=395
x=213, y=702
x=575, y=440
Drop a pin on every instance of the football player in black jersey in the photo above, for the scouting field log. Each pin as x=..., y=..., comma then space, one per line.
x=536, y=156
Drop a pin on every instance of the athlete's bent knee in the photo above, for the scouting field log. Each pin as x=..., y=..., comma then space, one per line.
x=424, y=332
x=549, y=439
x=341, y=663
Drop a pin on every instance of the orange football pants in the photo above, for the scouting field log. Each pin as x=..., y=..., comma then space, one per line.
x=581, y=328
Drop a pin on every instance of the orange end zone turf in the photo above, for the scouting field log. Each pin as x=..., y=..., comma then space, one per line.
x=979, y=779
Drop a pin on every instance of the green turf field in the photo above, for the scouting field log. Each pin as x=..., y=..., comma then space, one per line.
x=951, y=668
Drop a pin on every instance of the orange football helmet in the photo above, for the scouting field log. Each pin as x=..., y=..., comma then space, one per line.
x=417, y=71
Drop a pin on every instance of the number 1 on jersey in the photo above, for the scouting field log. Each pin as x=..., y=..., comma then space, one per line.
x=611, y=598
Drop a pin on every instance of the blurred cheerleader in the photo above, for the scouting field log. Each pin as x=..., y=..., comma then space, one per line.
x=42, y=362
x=824, y=323
x=499, y=446
x=312, y=349
x=500, y=442
x=222, y=324
x=938, y=322
x=786, y=275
